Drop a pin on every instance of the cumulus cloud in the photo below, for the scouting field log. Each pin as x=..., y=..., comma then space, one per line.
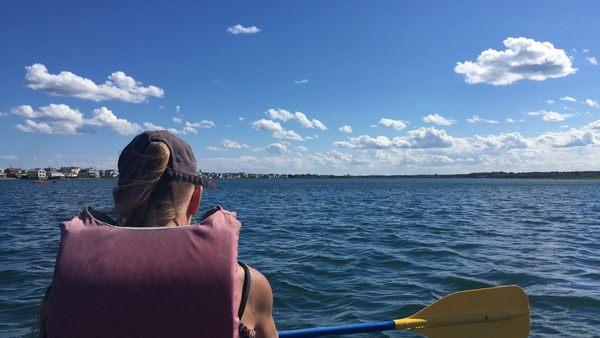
x=438, y=119
x=550, y=116
x=303, y=81
x=394, y=124
x=477, y=119
x=152, y=126
x=276, y=149
x=503, y=141
x=422, y=138
x=523, y=59
x=177, y=120
x=592, y=103
x=233, y=144
x=239, y=29
x=279, y=114
x=105, y=117
x=62, y=119
x=592, y=60
x=568, y=99
x=346, y=129
x=428, y=138
x=550, y=101
x=119, y=86
x=277, y=129
x=285, y=115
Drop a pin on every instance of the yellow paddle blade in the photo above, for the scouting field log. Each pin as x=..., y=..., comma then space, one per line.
x=499, y=312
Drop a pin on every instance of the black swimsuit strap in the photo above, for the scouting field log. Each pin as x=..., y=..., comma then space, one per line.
x=245, y=290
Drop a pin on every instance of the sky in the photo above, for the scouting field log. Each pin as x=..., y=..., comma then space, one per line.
x=329, y=87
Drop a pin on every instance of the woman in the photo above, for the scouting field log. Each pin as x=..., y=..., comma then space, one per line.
x=158, y=187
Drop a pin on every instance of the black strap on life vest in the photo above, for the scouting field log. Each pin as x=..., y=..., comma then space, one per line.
x=245, y=290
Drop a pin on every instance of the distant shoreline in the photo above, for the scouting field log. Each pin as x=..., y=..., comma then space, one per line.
x=562, y=175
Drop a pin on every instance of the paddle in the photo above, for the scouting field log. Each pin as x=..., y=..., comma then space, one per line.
x=501, y=312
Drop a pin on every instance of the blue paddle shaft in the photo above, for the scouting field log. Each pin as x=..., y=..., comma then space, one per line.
x=339, y=329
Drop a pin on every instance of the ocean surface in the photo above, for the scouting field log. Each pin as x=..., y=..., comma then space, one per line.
x=348, y=250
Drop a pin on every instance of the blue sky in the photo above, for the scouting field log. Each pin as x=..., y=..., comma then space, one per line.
x=425, y=87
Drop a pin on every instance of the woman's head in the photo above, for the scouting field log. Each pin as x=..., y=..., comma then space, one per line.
x=158, y=184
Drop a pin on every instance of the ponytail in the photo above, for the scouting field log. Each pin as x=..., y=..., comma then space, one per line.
x=149, y=199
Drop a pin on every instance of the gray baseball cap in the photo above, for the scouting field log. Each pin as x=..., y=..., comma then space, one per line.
x=182, y=164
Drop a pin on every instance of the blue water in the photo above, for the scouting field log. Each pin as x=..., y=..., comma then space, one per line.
x=347, y=250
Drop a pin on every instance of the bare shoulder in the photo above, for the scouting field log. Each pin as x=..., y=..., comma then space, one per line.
x=260, y=292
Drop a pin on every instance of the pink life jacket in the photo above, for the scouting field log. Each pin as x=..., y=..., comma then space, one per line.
x=114, y=281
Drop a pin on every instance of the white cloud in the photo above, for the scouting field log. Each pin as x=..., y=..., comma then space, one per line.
x=503, y=141
x=62, y=119
x=51, y=111
x=477, y=119
x=276, y=128
x=279, y=114
x=151, y=126
x=592, y=103
x=287, y=135
x=119, y=86
x=303, y=81
x=346, y=129
x=177, y=109
x=285, y=115
x=277, y=149
x=550, y=116
x=523, y=59
x=241, y=119
x=104, y=117
x=306, y=123
x=302, y=149
x=239, y=29
x=394, y=124
x=429, y=138
x=213, y=148
x=319, y=125
x=592, y=60
x=201, y=124
x=2, y=114
x=438, y=119
x=269, y=125
x=568, y=99
x=550, y=101
x=509, y=120
x=233, y=144
x=422, y=138
x=177, y=120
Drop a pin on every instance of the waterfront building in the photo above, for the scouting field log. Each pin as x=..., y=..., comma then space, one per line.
x=2, y=174
x=12, y=172
x=52, y=173
x=37, y=174
x=110, y=173
x=89, y=173
x=70, y=172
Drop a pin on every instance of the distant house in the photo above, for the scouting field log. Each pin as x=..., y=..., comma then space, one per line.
x=110, y=173
x=37, y=174
x=70, y=172
x=12, y=172
x=52, y=173
x=89, y=173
